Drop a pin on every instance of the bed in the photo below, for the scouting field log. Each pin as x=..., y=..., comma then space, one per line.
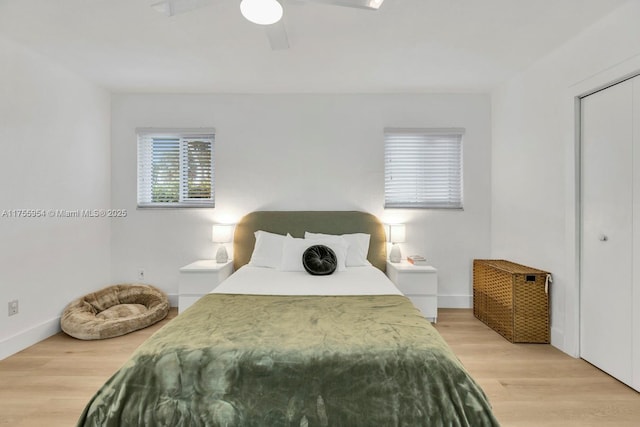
x=282, y=347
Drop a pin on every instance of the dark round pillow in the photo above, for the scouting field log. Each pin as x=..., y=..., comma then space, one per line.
x=319, y=260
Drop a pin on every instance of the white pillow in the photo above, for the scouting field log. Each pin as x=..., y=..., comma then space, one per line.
x=358, y=246
x=294, y=248
x=267, y=251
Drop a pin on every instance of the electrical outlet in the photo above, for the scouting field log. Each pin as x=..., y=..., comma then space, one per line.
x=13, y=307
x=141, y=274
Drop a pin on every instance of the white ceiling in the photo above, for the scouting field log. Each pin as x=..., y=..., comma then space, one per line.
x=406, y=46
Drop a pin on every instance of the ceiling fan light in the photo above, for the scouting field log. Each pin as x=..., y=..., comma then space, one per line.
x=263, y=12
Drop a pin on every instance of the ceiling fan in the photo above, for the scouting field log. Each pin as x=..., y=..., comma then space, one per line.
x=263, y=12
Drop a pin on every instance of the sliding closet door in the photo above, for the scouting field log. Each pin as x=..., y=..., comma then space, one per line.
x=607, y=242
x=635, y=299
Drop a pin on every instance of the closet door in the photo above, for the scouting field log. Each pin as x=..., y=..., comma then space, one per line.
x=607, y=235
x=635, y=299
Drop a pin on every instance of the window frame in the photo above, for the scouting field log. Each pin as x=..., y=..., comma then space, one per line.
x=145, y=171
x=451, y=189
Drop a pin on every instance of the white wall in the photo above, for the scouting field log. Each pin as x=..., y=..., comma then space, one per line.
x=54, y=133
x=307, y=152
x=534, y=203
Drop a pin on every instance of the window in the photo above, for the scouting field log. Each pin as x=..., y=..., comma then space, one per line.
x=423, y=168
x=176, y=168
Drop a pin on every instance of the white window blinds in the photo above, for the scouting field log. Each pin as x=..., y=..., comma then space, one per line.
x=423, y=168
x=176, y=168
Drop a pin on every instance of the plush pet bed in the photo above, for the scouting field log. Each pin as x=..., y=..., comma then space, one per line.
x=113, y=311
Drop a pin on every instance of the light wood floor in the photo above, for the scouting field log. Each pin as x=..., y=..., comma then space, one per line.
x=49, y=383
x=537, y=385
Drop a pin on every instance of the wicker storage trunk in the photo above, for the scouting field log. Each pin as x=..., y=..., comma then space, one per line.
x=512, y=299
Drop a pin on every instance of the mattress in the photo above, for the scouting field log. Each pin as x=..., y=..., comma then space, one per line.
x=366, y=280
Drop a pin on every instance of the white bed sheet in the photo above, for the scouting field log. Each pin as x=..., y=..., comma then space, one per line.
x=268, y=281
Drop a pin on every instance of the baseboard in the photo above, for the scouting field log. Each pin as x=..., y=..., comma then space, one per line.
x=26, y=338
x=173, y=299
x=557, y=340
x=455, y=301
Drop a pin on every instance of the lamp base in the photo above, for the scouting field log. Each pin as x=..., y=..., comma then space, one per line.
x=221, y=255
x=395, y=256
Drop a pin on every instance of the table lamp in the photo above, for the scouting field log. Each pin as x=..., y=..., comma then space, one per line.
x=396, y=233
x=222, y=233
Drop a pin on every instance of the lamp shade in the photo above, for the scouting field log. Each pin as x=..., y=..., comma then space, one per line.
x=263, y=12
x=222, y=233
x=397, y=233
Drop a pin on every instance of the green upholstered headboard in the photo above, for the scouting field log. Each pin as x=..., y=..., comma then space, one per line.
x=297, y=222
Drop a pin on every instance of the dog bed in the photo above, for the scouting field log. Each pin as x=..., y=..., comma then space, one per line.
x=113, y=311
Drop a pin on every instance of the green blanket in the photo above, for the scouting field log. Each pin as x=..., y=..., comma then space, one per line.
x=247, y=360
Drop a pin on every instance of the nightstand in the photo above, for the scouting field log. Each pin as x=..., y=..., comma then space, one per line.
x=419, y=283
x=199, y=278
